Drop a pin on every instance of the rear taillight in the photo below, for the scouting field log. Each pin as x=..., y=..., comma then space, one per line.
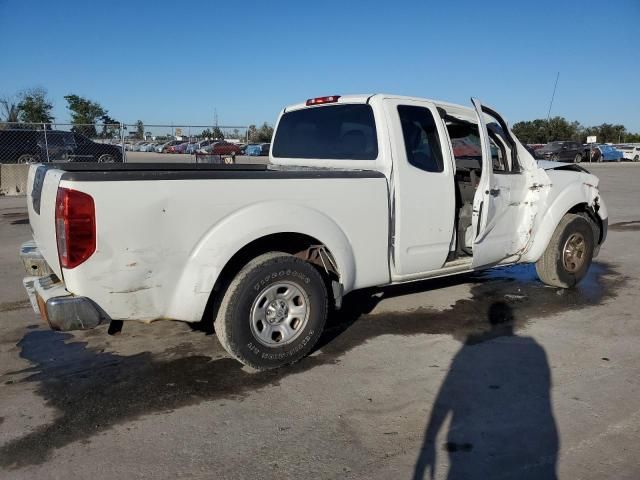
x=75, y=227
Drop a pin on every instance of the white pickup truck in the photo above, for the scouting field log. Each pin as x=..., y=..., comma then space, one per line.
x=361, y=191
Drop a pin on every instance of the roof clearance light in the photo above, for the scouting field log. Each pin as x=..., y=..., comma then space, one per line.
x=321, y=100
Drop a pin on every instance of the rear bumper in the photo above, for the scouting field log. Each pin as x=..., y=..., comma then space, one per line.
x=59, y=308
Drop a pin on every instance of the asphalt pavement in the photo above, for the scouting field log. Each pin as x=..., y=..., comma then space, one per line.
x=490, y=375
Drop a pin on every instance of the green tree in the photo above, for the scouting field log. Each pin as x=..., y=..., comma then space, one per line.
x=264, y=133
x=609, y=133
x=110, y=127
x=206, y=133
x=35, y=107
x=543, y=131
x=632, y=137
x=252, y=133
x=140, y=129
x=84, y=114
x=217, y=133
x=9, y=109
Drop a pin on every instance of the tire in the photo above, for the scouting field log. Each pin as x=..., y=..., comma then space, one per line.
x=555, y=158
x=636, y=158
x=228, y=160
x=577, y=159
x=559, y=269
x=27, y=158
x=255, y=323
x=106, y=158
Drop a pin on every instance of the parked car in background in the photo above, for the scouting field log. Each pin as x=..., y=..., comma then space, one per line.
x=221, y=148
x=561, y=151
x=630, y=152
x=164, y=148
x=257, y=149
x=135, y=147
x=194, y=147
x=605, y=153
x=149, y=147
x=29, y=146
x=535, y=146
x=179, y=148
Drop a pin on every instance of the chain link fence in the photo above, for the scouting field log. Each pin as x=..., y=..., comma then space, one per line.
x=25, y=143
x=119, y=142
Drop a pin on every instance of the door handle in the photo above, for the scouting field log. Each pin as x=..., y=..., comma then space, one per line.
x=494, y=192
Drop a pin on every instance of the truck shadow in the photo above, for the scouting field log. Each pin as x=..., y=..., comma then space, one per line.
x=94, y=390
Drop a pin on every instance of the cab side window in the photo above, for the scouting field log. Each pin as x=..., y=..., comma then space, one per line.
x=421, y=139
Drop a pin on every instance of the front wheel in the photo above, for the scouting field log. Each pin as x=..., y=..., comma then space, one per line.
x=568, y=256
x=273, y=312
x=636, y=158
x=577, y=159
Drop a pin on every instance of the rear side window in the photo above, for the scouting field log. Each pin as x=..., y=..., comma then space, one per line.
x=421, y=139
x=336, y=132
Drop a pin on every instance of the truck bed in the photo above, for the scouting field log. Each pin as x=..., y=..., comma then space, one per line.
x=161, y=244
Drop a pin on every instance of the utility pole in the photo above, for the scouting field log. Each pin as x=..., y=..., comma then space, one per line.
x=555, y=85
x=553, y=96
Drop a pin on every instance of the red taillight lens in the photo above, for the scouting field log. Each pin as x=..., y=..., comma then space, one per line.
x=75, y=227
x=321, y=100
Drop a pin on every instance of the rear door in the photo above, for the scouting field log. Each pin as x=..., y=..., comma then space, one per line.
x=423, y=198
x=501, y=208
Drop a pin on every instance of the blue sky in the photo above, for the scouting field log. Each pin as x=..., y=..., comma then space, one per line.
x=177, y=61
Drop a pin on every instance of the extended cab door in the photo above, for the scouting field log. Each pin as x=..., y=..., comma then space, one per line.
x=422, y=196
x=502, y=209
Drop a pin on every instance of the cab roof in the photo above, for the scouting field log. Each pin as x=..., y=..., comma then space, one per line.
x=451, y=108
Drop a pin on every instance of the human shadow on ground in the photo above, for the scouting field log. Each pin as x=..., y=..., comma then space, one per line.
x=497, y=394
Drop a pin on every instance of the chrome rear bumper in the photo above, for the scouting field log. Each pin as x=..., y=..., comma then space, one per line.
x=50, y=299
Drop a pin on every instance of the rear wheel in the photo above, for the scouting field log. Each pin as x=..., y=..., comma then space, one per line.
x=577, y=159
x=555, y=157
x=636, y=158
x=106, y=158
x=273, y=312
x=27, y=158
x=568, y=256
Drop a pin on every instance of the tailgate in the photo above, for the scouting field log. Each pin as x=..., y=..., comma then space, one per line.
x=42, y=188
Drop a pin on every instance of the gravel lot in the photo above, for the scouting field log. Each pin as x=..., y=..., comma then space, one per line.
x=406, y=378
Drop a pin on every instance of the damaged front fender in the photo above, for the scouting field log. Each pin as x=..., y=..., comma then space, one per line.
x=569, y=191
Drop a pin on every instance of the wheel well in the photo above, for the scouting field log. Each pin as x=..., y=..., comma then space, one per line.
x=592, y=214
x=303, y=246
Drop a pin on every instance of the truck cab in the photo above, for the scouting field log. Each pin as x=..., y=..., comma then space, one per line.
x=464, y=192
